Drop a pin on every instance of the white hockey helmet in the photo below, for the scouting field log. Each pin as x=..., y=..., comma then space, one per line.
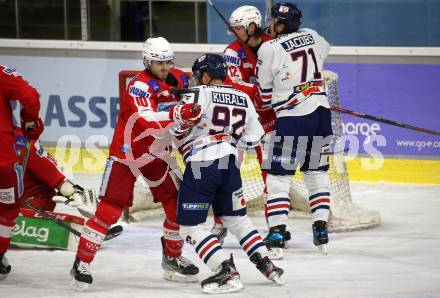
x=157, y=49
x=244, y=16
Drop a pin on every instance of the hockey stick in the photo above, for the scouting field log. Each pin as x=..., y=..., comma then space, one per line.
x=23, y=163
x=51, y=218
x=386, y=121
x=112, y=233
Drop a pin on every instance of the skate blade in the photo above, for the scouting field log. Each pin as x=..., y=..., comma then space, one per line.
x=3, y=276
x=78, y=286
x=323, y=249
x=177, y=277
x=275, y=253
x=232, y=285
x=279, y=281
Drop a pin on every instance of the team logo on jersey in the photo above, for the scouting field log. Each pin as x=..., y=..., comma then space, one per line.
x=195, y=206
x=184, y=80
x=154, y=85
x=20, y=142
x=11, y=72
x=229, y=99
x=297, y=42
x=242, y=54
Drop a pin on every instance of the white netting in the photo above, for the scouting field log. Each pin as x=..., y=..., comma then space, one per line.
x=344, y=214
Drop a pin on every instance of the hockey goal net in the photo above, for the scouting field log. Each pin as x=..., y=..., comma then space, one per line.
x=345, y=215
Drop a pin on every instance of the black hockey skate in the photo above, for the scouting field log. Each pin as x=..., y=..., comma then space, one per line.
x=81, y=275
x=220, y=232
x=5, y=268
x=178, y=269
x=320, y=235
x=276, y=240
x=267, y=268
x=226, y=280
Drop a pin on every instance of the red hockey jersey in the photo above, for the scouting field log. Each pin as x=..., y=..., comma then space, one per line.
x=241, y=72
x=13, y=87
x=144, y=114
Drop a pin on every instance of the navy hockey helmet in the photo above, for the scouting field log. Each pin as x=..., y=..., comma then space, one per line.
x=212, y=64
x=288, y=14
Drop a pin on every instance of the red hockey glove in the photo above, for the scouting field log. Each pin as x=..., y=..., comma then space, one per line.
x=186, y=114
x=32, y=127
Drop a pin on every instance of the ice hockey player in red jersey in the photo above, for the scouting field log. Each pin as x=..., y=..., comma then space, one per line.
x=241, y=58
x=45, y=184
x=241, y=55
x=13, y=87
x=147, y=110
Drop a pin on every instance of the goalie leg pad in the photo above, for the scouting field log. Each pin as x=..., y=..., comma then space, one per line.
x=318, y=185
x=277, y=200
x=246, y=233
x=205, y=244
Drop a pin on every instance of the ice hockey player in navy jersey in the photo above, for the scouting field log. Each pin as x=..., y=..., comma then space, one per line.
x=212, y=178
x=289, y=71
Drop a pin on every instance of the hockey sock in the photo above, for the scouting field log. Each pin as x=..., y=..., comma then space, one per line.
x=206, y=245
x=96, y=228
x=277, y=201
x=8, y=214
x=218, y=220
x=173, y=241
x=318, y=185
x=248, y=236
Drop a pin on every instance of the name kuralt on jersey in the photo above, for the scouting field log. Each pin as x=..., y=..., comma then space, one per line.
x=229, y=99
x=297, y=42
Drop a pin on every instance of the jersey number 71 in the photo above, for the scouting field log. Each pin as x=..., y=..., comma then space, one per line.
x=303, y=54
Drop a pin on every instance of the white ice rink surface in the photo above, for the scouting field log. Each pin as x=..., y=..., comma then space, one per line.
x=400, y=258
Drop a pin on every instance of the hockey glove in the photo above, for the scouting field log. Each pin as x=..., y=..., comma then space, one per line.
x=85, y=200
x=32, y=127
x=186, y=114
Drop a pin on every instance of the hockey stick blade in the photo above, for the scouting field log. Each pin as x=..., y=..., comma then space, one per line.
x=114, y=232
x=383, y=120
